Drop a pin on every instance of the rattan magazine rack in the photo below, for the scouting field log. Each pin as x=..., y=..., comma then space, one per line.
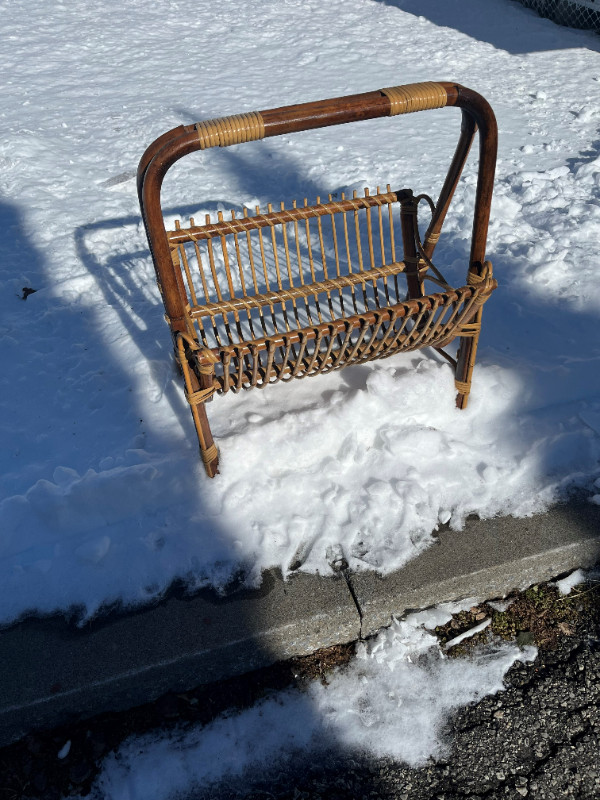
x=306, y=288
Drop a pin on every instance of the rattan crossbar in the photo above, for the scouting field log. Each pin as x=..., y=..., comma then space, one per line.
x=254, y=298
x=304, y=292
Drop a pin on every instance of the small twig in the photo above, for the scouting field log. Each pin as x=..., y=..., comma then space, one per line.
x=580, y=594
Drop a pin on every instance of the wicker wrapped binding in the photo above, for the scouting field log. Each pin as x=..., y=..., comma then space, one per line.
x=303, y=289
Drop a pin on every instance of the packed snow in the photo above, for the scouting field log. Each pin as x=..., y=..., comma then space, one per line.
x=105, y=499
x=392, y=700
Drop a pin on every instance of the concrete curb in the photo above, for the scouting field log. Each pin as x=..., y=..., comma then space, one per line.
x=487, y=559
x=51, y=672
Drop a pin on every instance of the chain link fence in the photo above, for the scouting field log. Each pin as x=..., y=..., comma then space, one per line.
x=574, y=13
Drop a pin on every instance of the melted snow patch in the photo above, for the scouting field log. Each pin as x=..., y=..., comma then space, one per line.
x=392, y=700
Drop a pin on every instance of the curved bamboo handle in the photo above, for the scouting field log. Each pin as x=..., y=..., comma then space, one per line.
x=225, y=131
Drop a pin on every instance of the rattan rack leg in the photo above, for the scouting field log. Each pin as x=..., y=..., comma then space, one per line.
x=198, y=390
x=465, y=362
x=208, y=448
x=479, y=275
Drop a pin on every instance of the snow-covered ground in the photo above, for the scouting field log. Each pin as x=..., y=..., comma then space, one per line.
x=104, y=495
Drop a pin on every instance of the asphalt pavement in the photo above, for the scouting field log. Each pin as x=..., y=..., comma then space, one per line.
x=539, y=739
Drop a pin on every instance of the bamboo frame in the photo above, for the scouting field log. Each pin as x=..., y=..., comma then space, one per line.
x=300, y=291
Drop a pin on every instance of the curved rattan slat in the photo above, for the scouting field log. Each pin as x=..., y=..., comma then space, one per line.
x=408, y=326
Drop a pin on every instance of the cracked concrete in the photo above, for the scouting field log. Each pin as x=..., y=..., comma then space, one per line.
x=539, y=739
x=487, y=559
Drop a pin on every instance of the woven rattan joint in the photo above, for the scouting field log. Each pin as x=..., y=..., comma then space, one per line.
x=296, y=291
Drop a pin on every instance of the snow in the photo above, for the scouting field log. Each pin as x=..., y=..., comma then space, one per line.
x=436, y=616
x=500, y=605
x=392, y=700
x=567, y=583
x=104, y=498
x=468, y=634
